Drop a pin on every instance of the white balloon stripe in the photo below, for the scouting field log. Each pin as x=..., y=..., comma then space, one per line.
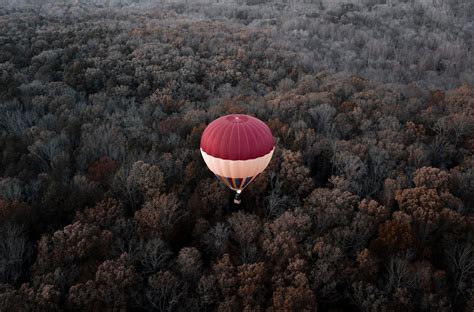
x=237, y=168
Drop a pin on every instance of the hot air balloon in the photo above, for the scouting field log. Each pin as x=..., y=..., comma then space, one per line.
x=236, y=148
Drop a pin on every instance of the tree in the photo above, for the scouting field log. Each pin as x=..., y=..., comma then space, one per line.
x=295, y=222
x=252, y=285
x=113, y=287
x=352, y=168
x=433, y=178
x=149, y=178
x=399, y=275
x=101, y=169
x=366, y=205
x=207, y=291
x=99, y=141
x=293, y=292
x=104, y=214
x=11, y=189
x=189, y=262
x=276, y=202
x=368, y=263
x=160, y=214
x=330, y=207
x=353, y=237
x=368, y=297
x=245, y=230
x=328, y=272
x=460, y=260
x=208, y=198
x=153, y=255
x=25, y=298
x=397, y=232
x=74, y=244
x=15, y=211
x=429, y=208
x=13, y=251
x=217, y=238
x=280, y=246
x=297, y=175
x=50, y=150
x=284, y=234
x=323, y=118
x=226, y=276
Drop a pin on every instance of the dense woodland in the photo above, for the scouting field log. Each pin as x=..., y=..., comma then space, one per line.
x=107, y=205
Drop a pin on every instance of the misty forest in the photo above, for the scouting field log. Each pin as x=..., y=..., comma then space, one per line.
x=106, y=203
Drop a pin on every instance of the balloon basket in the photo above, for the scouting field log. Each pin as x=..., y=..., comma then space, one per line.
x=237, y=199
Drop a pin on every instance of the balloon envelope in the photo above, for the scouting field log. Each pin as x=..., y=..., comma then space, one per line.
x=236, y=148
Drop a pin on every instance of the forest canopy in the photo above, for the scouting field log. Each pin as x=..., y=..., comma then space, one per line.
x=106, y=203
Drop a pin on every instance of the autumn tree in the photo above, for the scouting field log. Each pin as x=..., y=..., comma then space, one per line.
x=296, y=173
x=282, y=236
x=330, y=207
x=252, y=285
x=160, y=214
x=189, y=262
x=245, y=230
x=104, y=214
x=293, y=291
x=225, y=274
x=74, y=244
x=113, y=287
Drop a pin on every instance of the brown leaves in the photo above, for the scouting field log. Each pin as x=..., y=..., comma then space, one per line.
x=425, y=204
x=246, y=228
x=330, y=207
x=74, y=244
x=159, y=215
x=104, y=214
x=433, y=178
x=396, y=232
x=112, y=287
x=14, y=210
x=293, y=292
x=78, y=241
x=149, y=178
x=368, y=263
x=282, y=237
x=297, y=176
x=189, y=262
x=226, y=276
x=294, y=221
x=294, y=299
x=209, y=197
x=252, y=283
x=25, y=298
x=372, y=208
x=280, y=247
x=101, y=169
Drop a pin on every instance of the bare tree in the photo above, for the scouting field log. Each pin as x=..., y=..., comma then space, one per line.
x=13, y=249
x=399, y=274
x=460, y=260
x=11, y=189
x=323, y=117
x=276, y=201
x=50, y=150
x=165, y=292
x=153, y=255
x=217, y=238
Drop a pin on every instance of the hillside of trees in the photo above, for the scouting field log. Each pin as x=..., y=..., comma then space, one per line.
x=107, y=205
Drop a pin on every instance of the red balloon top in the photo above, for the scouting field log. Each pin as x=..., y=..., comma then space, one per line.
x=237, y=137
